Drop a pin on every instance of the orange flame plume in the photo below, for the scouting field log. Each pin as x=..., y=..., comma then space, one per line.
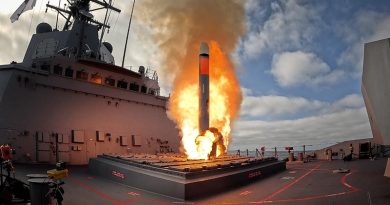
x=178, y=27
x=225, y=100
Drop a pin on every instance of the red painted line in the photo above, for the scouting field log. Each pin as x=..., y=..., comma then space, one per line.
x=311, y=169
x=90, y=188
x=113, y=200
x=267, y=198
x=127, y=201
x=149, y=201
x=343, y=181
x=308, y=198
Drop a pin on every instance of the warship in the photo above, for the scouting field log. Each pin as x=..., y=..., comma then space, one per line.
x=68, y=101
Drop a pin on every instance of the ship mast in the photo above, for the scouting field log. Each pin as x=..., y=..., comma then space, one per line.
x=102, y=33
x=127, y=36
x=79, y=10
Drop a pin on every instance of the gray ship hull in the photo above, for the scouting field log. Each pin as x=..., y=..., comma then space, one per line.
x=52, y=117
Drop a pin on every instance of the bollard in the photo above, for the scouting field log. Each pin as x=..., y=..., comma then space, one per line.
x=39, y=188
x=290, y=157
x=300, y=156
x=276, y=153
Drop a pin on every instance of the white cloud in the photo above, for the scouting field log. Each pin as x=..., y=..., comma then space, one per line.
x=366, y=26
x=351, y=101
x=272, y=106
x=246, y=91
x=293, y=25
x=318, y=130
x=253, y=6
x=343, y=119
x=300, y=68
x=16, y=36
x=285, y=28
x=277, y=105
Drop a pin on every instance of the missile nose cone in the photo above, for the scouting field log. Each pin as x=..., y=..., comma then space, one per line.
x=204, y=48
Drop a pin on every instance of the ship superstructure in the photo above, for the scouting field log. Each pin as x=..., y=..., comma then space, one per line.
x=68, y=100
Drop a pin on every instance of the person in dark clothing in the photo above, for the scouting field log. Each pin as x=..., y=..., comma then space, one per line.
x=351, y=148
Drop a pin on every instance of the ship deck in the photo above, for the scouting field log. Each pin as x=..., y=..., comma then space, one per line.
x=309, y=183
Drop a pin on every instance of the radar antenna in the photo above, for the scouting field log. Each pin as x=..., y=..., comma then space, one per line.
x=80, y=10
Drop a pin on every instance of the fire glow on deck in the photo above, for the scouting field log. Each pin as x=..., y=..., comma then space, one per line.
x=176, y=176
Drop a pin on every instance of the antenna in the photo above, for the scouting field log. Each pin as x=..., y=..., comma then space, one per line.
x=104, y=28
x=58, y=13
x=127, y=36
x=79, y=9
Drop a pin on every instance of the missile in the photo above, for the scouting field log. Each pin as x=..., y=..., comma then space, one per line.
x=203, y=88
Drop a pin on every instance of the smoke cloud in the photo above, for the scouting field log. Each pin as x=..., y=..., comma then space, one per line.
x=180, y=25
x=178, y=29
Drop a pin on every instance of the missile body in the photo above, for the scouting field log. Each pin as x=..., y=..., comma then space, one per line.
x=203, y=88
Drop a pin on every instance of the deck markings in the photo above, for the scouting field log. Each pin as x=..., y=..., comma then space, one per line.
x=267, y=199
x=93, y=190
x=148, y=201
x=287, y=178
x=116, y=201
x=245, y=193
x=112, y=199
x=306, y=198
x=182, y=202
x=296, y=168
x=343, y=181
x=284, y=188
x=132, y=194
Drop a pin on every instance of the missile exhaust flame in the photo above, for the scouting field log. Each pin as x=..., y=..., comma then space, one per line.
x=198, y=138
x=178, y=27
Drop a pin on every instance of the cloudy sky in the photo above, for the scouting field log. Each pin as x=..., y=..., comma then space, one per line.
x=299, y=64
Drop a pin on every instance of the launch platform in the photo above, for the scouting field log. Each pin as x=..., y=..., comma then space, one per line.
x=175, y=176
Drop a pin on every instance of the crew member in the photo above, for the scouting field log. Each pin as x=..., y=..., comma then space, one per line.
x=262, y=151
x=351, y=149
x=329, y=154
x=342, y=153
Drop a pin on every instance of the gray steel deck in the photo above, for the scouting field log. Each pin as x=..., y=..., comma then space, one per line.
x=309, y=183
